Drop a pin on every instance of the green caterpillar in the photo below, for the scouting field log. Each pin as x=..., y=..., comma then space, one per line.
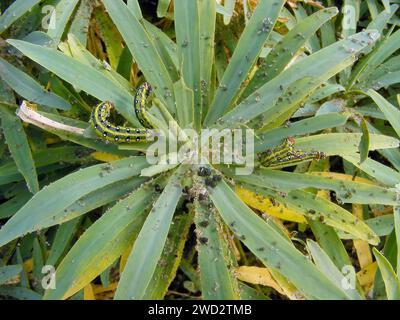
x=285, y=154
x=111, y=132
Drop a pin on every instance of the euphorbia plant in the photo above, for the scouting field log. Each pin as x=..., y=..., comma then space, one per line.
x=151, y=207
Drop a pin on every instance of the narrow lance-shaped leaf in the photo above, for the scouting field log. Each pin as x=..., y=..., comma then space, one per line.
x=18, y=145
x=9, y=272
x=80, y=23
x=364, y=142
x=396, y=213
x=247, y=51
x=343, y=143
x=148, y=246
x=80, y=75
x=15, y=11
x=187, y=29
x=317, y=66
x=325, y=264
x=207, y=15
x=28, y=88
x=390, y=278
x=170, y=258
x=318, y=208
x=368, y=64
x=270, y=247
x=375, y=169
x=58, y=23
x=217, y=280
x=106, y=240
x=284, y=51
x=64, y=192
x=391, y=113
x=162, y=8
x=184, y=103
x=62, y=240
x=346, y=191
x=310, y=125
x=143, y=50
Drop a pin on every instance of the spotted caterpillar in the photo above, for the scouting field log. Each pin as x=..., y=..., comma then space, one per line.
x=111, y=132
x=285, y=154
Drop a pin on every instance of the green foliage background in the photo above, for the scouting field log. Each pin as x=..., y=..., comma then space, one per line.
x=114, y=227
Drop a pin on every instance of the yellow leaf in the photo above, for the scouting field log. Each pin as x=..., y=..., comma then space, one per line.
x=97, y=288
x=124, y=259
x=256, y=275
x=105, y=157
x=362, y=247
x=341, y=176
x=88, y=293
x=366, y=276
x=264, y=204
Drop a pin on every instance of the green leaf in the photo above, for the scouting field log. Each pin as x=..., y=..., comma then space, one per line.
x=38, y=263
x=207, y=13
x=63, y=11
x=18, y=145
x=170, y=258
x=28, y=88
x=80, y=75
x=383, y=51
x=143, y=50
x=325, y=264
x=380, y=21
x=166, y=48
x=80, y=23
x=364, y=142
x=162, y=8
x=110, y=37
x=346, y=191
x=247, y=51
x=19, y=293
x=381, y=226
x=392, y=283
x=106, y=240
x=11, y=206
x=39, y=211
x=391, y=113
x=134, y=7
x=187, y=29
x=375, y=169
x=330, y=242
x=9, y=272
x=343, y=143
x=318, y=208
x=281, y=55
x=319, y=66
x=150, y=242
x=272, y=248
x=217, y=280
x=390, y=252
x=272, y=137
x=184, y=103
x=62, y=240
x=15, y=11
x=9, y=171
x=396, y=213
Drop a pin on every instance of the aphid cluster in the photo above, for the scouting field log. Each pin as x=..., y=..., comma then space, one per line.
x=210, y=181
